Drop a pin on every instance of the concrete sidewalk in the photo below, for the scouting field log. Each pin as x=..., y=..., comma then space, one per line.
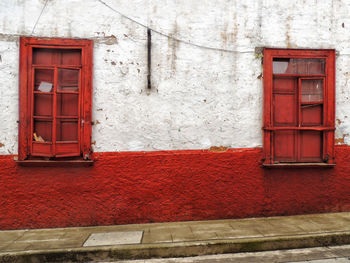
x=103, y=243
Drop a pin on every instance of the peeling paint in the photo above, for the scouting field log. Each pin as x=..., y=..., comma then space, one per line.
x=340, y=140
x=107, y=40
x=218, y=149
x=9, y=37
x=95, y=122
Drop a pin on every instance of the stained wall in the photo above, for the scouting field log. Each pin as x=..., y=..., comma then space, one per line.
x=206, y=94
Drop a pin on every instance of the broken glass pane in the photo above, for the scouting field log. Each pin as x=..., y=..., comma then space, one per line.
x=307, y=66
x=311, y=90
x=43, y=80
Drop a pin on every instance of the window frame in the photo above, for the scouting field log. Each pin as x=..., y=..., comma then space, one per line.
x=26, y=70
x=328, y=126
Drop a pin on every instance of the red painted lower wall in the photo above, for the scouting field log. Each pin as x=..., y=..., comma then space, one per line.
x=141, y=187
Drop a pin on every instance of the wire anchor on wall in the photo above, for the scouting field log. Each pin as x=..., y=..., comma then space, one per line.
x=149, y=50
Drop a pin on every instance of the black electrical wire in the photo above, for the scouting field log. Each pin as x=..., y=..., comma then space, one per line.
x=171, y=37
x=42, y=10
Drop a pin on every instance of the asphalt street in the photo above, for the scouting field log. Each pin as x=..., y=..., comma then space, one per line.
x=335, y=254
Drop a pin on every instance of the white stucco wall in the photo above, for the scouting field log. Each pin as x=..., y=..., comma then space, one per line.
x=200, y=96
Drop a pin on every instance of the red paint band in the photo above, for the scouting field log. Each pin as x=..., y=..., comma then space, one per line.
x=140, y=187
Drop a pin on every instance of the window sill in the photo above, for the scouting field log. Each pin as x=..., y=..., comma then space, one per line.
x=51, y=163
x=299, y=165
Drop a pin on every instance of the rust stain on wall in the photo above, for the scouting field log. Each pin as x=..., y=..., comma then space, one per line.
x=224, y=35
x=233, y=35
x=230, y=35
x=288, y=32
x=172, y=45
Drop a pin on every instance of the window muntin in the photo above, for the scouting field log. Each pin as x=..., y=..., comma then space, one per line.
x=57, y=99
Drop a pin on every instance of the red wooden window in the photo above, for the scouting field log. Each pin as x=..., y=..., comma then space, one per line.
x=299, y=103
x=55, y=98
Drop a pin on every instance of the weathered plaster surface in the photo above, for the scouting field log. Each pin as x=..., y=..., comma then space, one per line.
x=8, y=96
x=200, y=97
x=145, y=187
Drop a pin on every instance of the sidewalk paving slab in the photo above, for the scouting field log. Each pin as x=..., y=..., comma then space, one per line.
x=177, y=239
